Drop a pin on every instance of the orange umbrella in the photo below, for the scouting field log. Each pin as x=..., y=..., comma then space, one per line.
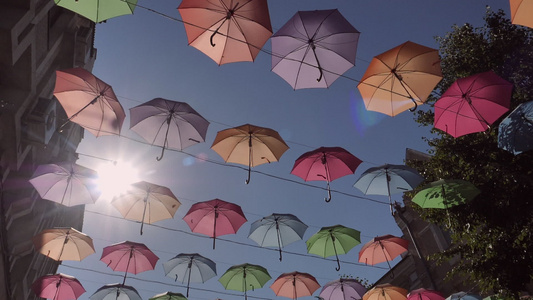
x=63, y=244
x=295, y=284
x=400, y=78
x=226, y=30
x=521, y=12
x=385, y=291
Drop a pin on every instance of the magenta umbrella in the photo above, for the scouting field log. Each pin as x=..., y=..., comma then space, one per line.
x=472, y=104
x=423, y=294
x=343, y=289
x=325, y=164
x=57, y=287
x=129, y=257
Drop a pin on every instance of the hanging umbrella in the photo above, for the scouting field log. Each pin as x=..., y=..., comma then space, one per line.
x=385, y=291
x=244, y=277
x=464, y=296
x=191, y=268
x=445, y=193
x=521, y=12
x=168, y=296
x=116, y=291
x=57, y=287
x=249, y=145
x=66, y=183
x=99, y=10
x=400, y=78
x=382, y=248
x=295, y=284
x=314, y=48
x=215, y=218
x=423, y=294
x=388, y=179
x=88, y=101
x=333, y=240
x=325, y=164
x=146, y=202
x=63, y=244
x=129, y=257
x=169, y=124
x=227, y=31
x=472, y=104
x=343, y=289
x=515, y=133
x=277, y=230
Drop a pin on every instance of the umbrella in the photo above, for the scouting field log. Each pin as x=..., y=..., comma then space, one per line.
x=244, y=277
x=325, y=164
x=515, y=133
x=385, y=291
x=191, y=267
x=314, y=48
x=423, y=294
x=63, y=244
x=333, y=240
x=225, y=30
x=116, y=291
x=445, y=193
x=464, y=296
x=249, y=145
x=168, y=296
x=99, y=10
x=57, y=287
x=472, y=104
x=89, y=102
x=169, y=124
x=277, y=230
x=382, y=248
x=388, y=179
x=521, y=12
x=343, y=289
x=400, y=78
x=66, y=183
x=215, y=218
x=129, y=257
x=295, y=284
x=146, y=202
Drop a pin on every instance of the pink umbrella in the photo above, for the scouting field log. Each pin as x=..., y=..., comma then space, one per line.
x=58, y=287
x=295, y=284
x=381, y=249
x=129, y=257
x=472, y=104
x=215, y=218
x=423, y=294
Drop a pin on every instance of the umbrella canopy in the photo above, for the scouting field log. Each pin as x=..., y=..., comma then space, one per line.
x=99, y=10
x=295, y=284
x=423, y=294
x=129, y=257
x=388, y=179
x=215, y=218
x=116, y=291
x=63, y=244
x=382, y=248
x=400, y=78
x=66, y=183
x=169, y=124
x=314, y=48
x=244, y=277
x=472, y=104
x=343, y=289
x=277, y=230
x=445, y=193
x=168, y=296
x=146, y=202
x=57, y=287
x=325, y=164
x=521, y=12
x=225, y=30
x=88, y=101
x=464, y=296
x=385, y=292
x=333, y=240
x=249, y=145
x=515, y=133
x=191, y=268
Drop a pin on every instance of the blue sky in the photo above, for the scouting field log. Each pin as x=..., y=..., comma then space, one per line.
x=145, y=56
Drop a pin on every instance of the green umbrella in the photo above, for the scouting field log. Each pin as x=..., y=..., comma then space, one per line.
x=333, y=240
x=244, y=277
x=445, y=193
x=169, y=296
x=99, y=10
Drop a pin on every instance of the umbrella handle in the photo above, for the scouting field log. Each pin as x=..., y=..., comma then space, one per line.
x=414, y=108
x=328, y=199
x=162, y=153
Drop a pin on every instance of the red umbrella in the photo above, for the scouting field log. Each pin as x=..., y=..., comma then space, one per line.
x=325, y=164
x=295, y=284
x=215, y=218
x=129, y=257
x=381, y=249
x=58, y=287
x=472, y=104
x=423, y=294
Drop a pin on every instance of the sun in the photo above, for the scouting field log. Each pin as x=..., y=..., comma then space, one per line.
x=115, y=178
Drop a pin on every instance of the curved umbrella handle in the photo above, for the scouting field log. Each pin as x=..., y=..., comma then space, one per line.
x=247, y=181
x=416, y=105
x=166, y=138
x=328, y=199
x=162, y=153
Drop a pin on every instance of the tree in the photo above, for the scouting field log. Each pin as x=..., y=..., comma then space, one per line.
x=493, y=233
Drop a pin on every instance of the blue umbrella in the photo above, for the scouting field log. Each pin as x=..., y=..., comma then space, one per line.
x=464, y=296
x=191, y=267
x=515, y=133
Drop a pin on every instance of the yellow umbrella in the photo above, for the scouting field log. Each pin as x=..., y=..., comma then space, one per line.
x=63, y=244
x=385, y=291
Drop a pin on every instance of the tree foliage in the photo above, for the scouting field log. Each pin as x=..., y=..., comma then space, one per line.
x=493, y=233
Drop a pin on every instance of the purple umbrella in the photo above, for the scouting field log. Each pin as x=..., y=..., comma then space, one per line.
x=314, y=48
x=169, y=124
x=58, y=287
x=343, y=289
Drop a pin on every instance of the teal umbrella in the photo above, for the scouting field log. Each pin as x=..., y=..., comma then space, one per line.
x=99, y=10
x=333, y=240
x=244, y=277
